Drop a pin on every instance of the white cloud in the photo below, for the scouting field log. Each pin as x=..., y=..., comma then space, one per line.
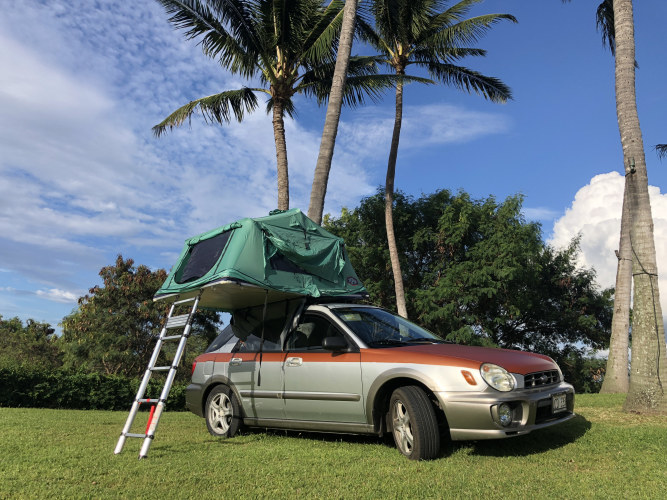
x=58, y=295
x=422, y=126
x=540, y=213
x=596, y=215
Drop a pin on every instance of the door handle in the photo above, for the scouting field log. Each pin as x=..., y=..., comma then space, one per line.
x=235, y=361
x=294, y=361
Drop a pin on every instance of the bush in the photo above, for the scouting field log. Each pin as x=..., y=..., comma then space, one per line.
x=34, y=388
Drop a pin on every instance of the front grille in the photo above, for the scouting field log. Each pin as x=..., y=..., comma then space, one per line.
x=539, y=379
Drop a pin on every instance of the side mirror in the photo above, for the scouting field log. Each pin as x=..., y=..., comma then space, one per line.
x=334, y=344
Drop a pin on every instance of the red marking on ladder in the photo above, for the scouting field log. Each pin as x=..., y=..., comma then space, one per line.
x=150, y=418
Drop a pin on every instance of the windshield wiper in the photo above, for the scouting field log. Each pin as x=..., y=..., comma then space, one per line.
x=426, y=340
x=388, y=342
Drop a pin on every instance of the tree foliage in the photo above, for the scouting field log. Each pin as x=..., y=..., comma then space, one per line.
x=114, y=329
x=34, y=344
x=477, y=273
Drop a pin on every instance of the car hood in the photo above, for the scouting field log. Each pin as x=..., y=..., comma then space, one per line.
x=464, y=356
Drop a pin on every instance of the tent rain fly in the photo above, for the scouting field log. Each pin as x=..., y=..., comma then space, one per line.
x=282, y=256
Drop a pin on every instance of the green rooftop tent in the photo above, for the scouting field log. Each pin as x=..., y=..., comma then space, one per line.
x=253, y=261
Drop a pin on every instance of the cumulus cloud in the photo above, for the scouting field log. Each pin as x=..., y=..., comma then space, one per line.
x=595, y=214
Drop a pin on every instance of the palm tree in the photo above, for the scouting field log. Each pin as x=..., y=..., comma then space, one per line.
x=325, y=156
x=428, y=35
x=661, y=149
x=649, y=361
x=288, y=45
x=616, y=376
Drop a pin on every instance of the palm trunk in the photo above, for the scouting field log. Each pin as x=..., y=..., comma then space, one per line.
x=649, y=362
x=281, y=155
x=323, y=166
x=389, y=205
x=616, y=376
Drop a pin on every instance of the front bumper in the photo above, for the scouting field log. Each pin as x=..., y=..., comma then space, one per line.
x=474, y=415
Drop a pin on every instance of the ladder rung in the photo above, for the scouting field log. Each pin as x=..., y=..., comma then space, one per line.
x=130, y=435
x=178, y=321
x=172, y=337
x=148, y=400
x=161, y=368
x=185, y=301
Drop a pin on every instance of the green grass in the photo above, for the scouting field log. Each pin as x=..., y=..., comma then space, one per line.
x=603, y=453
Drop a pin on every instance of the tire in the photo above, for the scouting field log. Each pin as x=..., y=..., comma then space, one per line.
x=414, y=424
x=222, y=412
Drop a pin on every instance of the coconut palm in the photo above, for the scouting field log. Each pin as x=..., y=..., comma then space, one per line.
x=289, y=46
x=661, y=149
x=432, y=36
x=645, y=384
x=616, y=376
x=649, y=361
x=325, y=156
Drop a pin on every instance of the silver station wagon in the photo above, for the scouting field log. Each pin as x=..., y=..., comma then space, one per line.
x=347, y=368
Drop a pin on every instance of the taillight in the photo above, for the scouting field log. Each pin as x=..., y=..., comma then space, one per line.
x=194, y=364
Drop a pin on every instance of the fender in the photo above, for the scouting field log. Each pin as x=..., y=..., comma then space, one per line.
x=388, y=375
x=219, y=379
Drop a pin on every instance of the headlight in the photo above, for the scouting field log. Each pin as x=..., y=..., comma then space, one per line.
x=497, y=377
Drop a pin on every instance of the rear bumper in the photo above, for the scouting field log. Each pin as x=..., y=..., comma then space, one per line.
x=474, y=416
x=193, y=399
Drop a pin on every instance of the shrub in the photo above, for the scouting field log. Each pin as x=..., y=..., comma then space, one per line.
x=35, y=388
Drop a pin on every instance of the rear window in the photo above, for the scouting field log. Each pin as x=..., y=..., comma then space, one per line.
x=203, y=256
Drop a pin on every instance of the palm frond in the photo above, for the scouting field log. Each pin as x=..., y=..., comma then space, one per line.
x=425, y=54
x=361, y=83
x=323, y=73
x=365, y=31
x=662, y=150
x=218, y=108
x=321, y=41
x=401, y=20
x=241, y=17
x=604, y=20
x=470, y=81
x=236, y=50
x=442, y=36
x=456, y=12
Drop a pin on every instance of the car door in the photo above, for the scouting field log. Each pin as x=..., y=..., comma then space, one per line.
x=321, y=385
x=260, y=387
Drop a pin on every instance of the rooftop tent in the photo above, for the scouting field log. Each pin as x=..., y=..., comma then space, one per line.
x=284, y=255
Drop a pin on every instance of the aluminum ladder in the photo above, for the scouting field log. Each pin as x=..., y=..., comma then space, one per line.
x=184, y=322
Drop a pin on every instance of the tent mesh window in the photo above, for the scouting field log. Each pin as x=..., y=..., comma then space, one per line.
x=203, y=256
x=281, y=263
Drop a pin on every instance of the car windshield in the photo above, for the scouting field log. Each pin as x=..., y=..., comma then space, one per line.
x=380, y=328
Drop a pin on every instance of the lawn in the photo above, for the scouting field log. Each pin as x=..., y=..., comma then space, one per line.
x=603, y=453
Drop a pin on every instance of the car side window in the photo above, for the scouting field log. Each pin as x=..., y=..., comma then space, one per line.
x=252, y=343
x=310, y=333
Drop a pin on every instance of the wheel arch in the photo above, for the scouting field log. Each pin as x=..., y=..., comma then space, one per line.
x=382, y=389
x=214, y=382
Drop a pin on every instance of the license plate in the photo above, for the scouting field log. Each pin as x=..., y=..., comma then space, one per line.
x=558, y=402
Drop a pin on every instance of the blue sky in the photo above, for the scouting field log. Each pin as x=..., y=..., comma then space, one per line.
x=82, y=179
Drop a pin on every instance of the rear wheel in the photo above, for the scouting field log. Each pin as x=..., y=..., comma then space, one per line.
x=222, y=412
x=414, y=424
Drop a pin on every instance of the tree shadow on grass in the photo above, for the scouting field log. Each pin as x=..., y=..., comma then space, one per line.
x=538, y=441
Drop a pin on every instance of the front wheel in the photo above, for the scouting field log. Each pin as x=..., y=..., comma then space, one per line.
x=222, y=412
x=414, y=424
